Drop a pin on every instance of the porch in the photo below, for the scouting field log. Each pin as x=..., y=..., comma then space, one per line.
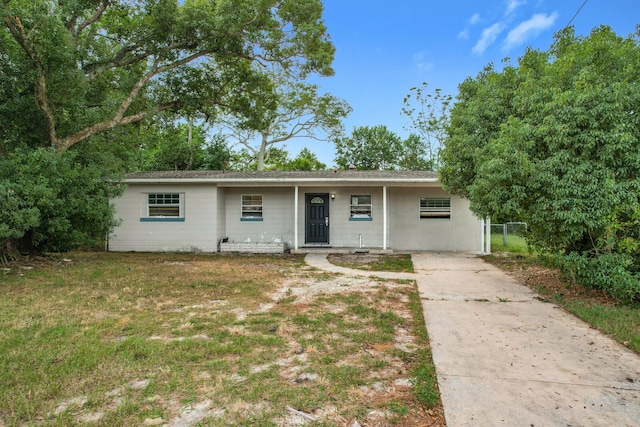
x=303, y=250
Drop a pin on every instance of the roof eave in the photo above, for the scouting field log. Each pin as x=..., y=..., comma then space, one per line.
x=289, y=181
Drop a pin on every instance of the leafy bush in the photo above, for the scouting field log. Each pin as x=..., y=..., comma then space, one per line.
x=55, y=201
x=553, y=141
x=609, y=272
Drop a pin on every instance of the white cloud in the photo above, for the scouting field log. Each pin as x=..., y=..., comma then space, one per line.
x=421, y=62
x=464, y=34
x=474, y=19
x=512, y=5
x=528, y=29
x=489, y=35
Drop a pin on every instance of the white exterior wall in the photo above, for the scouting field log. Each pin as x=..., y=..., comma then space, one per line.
x=212, y=213
x=342, y=231
x=220, y=214
x=462, y=232
x=277, y=216
x=198, y=232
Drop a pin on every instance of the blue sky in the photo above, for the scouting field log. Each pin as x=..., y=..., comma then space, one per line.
x=383, y=48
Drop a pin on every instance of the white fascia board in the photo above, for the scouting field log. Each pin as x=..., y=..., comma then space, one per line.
x=283, y=182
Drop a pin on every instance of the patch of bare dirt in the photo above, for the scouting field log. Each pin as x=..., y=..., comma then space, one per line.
x=304, y=289
x=363, y=259
x=393, y=386
x=23, y=263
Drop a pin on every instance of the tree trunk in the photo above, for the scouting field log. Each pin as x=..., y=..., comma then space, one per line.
x=262, y=153
x=189, y=144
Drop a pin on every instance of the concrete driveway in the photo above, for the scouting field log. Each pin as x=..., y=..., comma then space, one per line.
x=504, y=357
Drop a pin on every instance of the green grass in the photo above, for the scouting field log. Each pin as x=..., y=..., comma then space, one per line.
x=424, y=380
x=516, y=244
x=395, y=263
x=142, y=336
x=620, y=322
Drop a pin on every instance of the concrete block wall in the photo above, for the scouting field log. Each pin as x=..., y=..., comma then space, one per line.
x=254, y=248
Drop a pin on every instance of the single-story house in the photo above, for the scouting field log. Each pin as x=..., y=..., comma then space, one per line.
x=273, y=211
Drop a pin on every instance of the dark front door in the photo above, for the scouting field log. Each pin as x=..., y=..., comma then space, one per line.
x=317, y=218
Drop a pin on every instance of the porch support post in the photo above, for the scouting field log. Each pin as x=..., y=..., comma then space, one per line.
x=295, y=218
x=487, y=236
x=483, y=225
x=384, y=218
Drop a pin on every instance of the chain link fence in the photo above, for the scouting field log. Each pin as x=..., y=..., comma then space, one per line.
x=509, y=228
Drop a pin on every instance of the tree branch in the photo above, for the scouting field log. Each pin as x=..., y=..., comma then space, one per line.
x=114, y=122
x=120, y=59
x=95, y=17
x=40, y=87
x=118, y=117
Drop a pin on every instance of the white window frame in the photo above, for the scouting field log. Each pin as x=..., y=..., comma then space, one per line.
x=435, y=208
x=165, y=200
x=359, y=211
x=251, y=211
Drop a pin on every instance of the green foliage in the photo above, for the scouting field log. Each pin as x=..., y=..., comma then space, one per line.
x=299, y=110
x=304, y=161
x=378, y=148
x=217, y=154
x=101, y=71
x=416, y=155
x=429, y=114
x=609, y=272
x=182, y=146
x=75, y=69
x=554, y=142
x=247, y=160
x=278, y=159
x=54, y=201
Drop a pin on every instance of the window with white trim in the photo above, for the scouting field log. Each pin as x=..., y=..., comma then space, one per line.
x=251, y=207
x=360, y=207
x=435, y=207
x=164, y=205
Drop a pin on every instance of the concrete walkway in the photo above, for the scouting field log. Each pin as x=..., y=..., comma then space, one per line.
x=505, y=358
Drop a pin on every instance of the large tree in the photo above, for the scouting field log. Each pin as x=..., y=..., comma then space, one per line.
x=378, y=148
x=300, y=111
x=429, y=114
x=304, y=161
x=74, y=69
x=101, y=71
x=555, y=142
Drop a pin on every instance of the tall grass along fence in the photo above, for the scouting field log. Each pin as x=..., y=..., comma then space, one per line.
x=509, y=228
x=509, y=237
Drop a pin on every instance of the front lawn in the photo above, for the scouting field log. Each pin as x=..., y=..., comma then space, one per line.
x=149, y=339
